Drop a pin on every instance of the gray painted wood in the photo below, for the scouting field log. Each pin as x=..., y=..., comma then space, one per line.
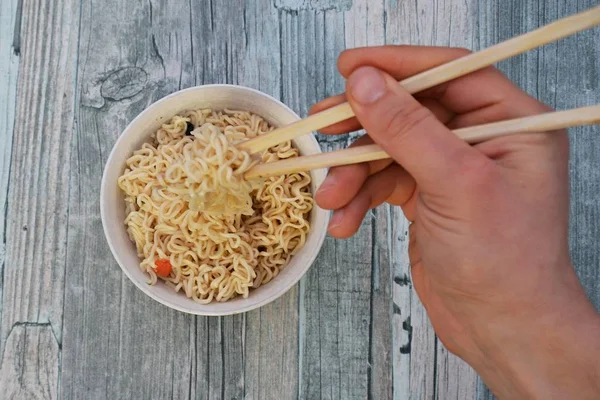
x=10, y=49
x=77, y=71
x=30, y=368
x=35, y=225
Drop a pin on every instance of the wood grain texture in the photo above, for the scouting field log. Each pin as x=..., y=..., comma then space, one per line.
x=35, y=230
x=10, y=48
x=30, y=367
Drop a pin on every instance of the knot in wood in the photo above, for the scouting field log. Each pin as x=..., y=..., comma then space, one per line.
x=124, y=83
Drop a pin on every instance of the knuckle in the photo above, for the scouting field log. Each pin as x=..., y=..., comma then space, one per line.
x=401, y=122
x=462, y=51
x=476, y=172
x=342, y=61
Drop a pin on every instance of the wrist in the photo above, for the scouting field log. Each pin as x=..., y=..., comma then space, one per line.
x=550, y=362
x=552, y=354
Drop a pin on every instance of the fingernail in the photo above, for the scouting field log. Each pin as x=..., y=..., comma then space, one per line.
x=327, y=184
x=337, y=218
x=366, y=85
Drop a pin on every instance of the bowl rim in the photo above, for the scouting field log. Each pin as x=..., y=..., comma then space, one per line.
x=147, y=289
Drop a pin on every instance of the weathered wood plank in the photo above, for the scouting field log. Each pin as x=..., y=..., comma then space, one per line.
x=35, y=227
x=402, y=297
x=117, y=342
x=310, y=44
x=36, y=223
x=271, y=357
x=382, y=310
x=314, y=5
x=10, y=48
x=365, y=24
x=30, y=367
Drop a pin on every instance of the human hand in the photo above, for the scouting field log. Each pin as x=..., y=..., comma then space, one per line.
x=488, y=243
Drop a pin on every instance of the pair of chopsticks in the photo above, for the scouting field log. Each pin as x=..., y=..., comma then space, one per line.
x=473, y=134
x=425, y=80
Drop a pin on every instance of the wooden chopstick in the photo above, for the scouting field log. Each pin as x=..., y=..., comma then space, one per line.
x=443, y=73
x=354, y=155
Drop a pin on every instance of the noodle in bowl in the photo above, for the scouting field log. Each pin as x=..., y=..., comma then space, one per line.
x=183, y=223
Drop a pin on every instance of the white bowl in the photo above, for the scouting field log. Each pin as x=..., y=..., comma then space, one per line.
x=112, y=205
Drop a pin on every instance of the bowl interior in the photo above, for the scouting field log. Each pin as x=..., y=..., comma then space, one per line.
x=139, y=130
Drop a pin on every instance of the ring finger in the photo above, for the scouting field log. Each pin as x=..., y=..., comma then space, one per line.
x=393, y=184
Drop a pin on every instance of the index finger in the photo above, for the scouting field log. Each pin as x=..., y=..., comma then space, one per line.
x=479, y=89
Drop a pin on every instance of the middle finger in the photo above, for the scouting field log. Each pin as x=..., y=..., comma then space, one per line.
x=343, y=183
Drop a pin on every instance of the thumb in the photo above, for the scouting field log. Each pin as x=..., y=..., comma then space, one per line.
x=407, y=131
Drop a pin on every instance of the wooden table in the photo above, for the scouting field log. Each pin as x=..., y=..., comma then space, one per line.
x=76, y=72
